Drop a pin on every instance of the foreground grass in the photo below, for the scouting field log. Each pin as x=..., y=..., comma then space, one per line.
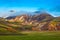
x=33, y=36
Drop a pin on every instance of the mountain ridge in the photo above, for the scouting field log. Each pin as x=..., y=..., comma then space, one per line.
x=24, y=22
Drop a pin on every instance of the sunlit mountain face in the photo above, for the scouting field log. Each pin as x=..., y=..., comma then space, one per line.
x=37, y=22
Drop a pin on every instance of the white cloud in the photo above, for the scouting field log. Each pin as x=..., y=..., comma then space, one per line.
x=5, y=11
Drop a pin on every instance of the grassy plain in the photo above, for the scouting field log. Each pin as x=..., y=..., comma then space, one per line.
x=44, y=35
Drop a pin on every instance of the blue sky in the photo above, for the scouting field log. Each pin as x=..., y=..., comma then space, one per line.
x=52, y=6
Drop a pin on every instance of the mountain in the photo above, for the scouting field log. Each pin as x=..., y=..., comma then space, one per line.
x=26, y=22
x=42, y=17
x=38, y=17
x=42, y=21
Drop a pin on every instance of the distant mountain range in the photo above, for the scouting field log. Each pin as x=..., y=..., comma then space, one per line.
x=37, y=18
x=38, y=22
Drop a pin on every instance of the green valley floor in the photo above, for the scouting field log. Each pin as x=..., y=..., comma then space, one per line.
x=30, y=35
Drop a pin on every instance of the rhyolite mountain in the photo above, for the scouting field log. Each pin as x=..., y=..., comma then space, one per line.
x=38, y=15
x=41, y=21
